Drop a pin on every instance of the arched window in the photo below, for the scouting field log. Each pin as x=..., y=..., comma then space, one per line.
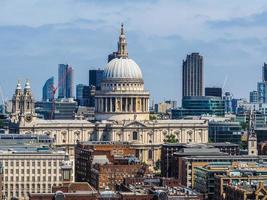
x=135, y=135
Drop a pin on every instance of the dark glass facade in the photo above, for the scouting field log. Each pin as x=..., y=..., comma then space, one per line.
x=213, y=91
x=225, y=132
x=95, y=78
x=199, y=105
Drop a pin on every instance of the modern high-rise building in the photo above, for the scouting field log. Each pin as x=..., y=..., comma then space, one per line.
x=95, y=78
x=83, y=95
x=193, y=82
x=213, y=91
x=65, y=81
x=253, y=97
x=112, y=56
x=264, y=72
x=48, y=89
x=261, y=88
x=228, y=102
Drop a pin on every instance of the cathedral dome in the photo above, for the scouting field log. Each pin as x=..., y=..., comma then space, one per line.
x=122, y=68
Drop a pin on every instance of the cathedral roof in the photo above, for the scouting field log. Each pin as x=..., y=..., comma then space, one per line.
x=122, y=68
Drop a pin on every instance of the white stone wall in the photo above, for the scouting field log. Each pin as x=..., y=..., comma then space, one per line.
x=34, y=173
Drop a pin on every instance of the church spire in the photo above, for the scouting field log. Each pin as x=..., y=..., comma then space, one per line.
x=122, y=45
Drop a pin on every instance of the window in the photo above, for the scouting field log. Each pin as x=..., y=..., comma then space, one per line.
x=150, y=154
x=135, y=135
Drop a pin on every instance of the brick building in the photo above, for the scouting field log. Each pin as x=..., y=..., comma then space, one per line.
x=105, y=164
x=73, y=191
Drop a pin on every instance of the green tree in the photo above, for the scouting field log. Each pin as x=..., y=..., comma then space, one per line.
x=170, y=139
x=152, y=117
x=244, y=125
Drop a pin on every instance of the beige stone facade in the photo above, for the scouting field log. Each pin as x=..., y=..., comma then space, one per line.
x=29, y=171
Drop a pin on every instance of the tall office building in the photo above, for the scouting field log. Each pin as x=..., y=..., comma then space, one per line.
x=48, y=89
x=83, y=95
x=193, y=75
x=264, y=72
x=95, y=78
x=213, y=91
x=65, y=81
x=261, y=88
x=228, y=102
x=253, y=97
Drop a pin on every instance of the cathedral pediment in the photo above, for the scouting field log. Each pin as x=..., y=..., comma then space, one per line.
x=134, y=124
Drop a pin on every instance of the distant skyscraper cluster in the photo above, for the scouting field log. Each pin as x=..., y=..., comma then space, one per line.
x=193, y=75
x=260, y=96
x=65, y=81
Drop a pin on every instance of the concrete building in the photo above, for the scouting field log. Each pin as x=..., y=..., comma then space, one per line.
x=240, y=185
x=193, y=81
x=164, y=107
x=65, y=81
x=184, y=166
x=48, y=89
x=32, y=169
x=204, y=177
x=65, y=109
x=213, y=92
x=168, y=150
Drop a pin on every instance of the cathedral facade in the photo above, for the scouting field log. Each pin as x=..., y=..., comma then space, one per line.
x=121, y=112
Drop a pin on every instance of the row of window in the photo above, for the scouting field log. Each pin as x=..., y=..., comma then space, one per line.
x=121, y=84
x=33, y=178
x=27, y=163
x=33, y=171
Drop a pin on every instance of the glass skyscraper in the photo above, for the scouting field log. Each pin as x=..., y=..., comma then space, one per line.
x=65, y=81
x=261, y=87
x=95, y=78
x=48, y=89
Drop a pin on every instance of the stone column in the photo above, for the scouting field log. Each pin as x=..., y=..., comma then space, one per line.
x=121, y=103
x=126, y=104
x=111, y=110
x=96, y=104
x=147, y=106
x=100, y=104
x=130, y=104
x=106, y=104
x=142, y=104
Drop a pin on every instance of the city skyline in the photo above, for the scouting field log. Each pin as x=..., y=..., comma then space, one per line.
x=85, y=38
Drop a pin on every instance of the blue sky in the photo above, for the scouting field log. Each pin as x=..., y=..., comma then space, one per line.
x=37, y=35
